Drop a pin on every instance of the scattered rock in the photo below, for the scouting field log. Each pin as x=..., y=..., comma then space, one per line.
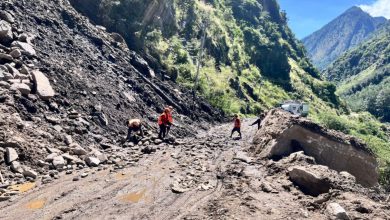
x=11, y=155
x=6, y=57
x=16, y=167
x=23, y=88
x=4, y=198
x=157, y=141
x=4, y=15
x=25, y=47
x=5, y=32
x=242, y=156
x=266, y=187
x=28, y=172
x=336, y=212
x=16, y=54
x=77, y=149
x=148, y=150
x=68, y=140
x=59, y=162
x=42, y=84
x=83, y=175
x=50, y=157
x=92, y=161
x=178, y=189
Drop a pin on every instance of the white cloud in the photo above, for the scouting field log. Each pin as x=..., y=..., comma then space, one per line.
x=378, y=8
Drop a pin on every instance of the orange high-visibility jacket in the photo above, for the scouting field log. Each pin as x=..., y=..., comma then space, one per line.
x=237, y=123
x=163, y=119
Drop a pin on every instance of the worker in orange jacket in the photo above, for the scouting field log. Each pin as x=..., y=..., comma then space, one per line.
x=163, y=122
x=170, y=119
x=237, y=125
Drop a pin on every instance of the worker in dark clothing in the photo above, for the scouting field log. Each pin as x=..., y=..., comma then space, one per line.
x=258, y=121
x=237, y=126
x=134, y=125
x=163, y=122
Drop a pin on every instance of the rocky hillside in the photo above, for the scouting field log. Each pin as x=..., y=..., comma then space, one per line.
x=363, y=75
x=251, y=58
x=67, y=84
x=341, y=34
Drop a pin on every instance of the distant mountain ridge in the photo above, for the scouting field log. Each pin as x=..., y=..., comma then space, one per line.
x=363, y=75
x=343, y=33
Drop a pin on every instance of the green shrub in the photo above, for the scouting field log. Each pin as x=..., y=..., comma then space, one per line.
x=334, y=122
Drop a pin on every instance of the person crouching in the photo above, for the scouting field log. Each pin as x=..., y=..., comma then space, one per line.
x=134, y=125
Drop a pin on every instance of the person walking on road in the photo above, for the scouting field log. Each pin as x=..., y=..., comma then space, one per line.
x=163, y=122
x=134, y=125
x=237, y=125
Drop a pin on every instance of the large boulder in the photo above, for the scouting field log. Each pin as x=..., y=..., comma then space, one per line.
x=310, y=181
x=282, y=134
x=42, y=84
x=11, y=155
x=336, y=212
x=5, y=32
x=77, y=149
x=16, y=167
x=28, y=172
x=21, y=87
x=26, y=48
x=6, y=16
x=59, y=162
x=92, y=161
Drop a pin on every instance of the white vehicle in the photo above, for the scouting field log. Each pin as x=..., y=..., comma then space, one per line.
x=296, y=108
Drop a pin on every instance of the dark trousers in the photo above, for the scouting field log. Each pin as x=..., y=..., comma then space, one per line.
x=168, y=128
x=163, y=131
x=258, y=122
x=236, y=129
x=130, y=130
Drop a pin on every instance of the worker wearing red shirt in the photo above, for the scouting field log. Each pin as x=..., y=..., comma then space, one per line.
x=237, y=125
x=163, y=122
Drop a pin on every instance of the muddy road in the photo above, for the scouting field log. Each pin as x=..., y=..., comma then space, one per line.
x=207, y=177
x=173, y=182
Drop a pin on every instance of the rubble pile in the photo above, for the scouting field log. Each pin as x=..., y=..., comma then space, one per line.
x=282, y=134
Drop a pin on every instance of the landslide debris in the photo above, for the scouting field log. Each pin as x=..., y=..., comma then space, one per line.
x=67, y=88
x=282, y=134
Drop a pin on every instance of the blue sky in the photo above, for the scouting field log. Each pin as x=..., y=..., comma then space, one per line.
x=307, y=16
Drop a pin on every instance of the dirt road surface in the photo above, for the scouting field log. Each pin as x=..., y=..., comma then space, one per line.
x=208, y=177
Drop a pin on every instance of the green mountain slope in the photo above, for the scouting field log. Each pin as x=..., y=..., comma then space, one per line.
x=249, y=49
x=363, y=75
x=343, y=33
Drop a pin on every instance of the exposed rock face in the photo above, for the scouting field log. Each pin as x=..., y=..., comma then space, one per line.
x=282, y=134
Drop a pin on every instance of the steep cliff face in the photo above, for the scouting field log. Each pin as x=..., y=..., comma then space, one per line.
x=343, y=33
